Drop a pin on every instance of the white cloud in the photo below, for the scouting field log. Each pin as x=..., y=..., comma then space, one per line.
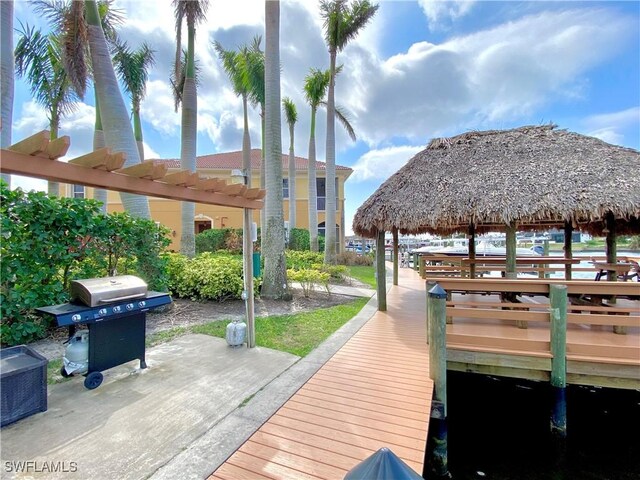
x=480, y=80
x=380, y=164
x=609, y=127
x=441, y=12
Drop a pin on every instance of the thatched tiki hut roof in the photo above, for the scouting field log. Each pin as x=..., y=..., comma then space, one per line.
x=535, y=177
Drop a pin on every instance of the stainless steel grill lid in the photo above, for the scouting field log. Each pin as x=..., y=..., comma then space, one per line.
x=99, y=291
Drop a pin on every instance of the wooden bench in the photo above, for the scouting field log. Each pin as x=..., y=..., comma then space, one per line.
x=585, y=306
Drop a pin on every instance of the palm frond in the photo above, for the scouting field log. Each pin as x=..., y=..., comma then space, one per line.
x=193, y=11
x=74, y=41
x=232, y=65
x=315, y=86
x=342, y=21
x=32, y=62
x=132, y=67
x=54, y=11
x=290, y=112
x=255, y=72
x=110, y=19
x=343, y=119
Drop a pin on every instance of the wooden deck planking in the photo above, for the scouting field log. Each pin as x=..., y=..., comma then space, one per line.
x=374, y=392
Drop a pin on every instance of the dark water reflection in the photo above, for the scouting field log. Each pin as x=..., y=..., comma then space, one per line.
x=499, y=429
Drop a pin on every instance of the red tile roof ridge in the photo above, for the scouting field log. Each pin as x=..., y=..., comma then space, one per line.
x=231, y=160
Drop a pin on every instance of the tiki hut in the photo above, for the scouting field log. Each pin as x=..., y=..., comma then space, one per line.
x=531, y=177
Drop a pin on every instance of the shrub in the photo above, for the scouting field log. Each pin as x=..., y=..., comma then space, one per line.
x=207, y=276
x=48, y=241
x=233, y=241
x=303, y=260
x=352, y=258
x=299, y=239
x=308, y=279
x=334, y=271
x=210, y=240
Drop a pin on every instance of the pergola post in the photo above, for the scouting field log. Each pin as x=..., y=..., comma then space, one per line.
x=381, y=282
x=247, y=261
x=568, y=254
x=394, y=232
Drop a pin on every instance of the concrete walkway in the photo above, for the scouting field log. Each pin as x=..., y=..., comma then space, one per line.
x=198, y=401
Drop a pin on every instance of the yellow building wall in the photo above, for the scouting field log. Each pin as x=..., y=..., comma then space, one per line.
x=168, y=212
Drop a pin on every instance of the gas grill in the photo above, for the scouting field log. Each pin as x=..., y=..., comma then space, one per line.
x=114, y=309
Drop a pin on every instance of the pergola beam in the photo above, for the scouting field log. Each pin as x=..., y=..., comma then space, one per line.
x=37, y=167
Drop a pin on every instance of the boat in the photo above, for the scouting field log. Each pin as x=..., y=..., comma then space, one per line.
x=460, y=247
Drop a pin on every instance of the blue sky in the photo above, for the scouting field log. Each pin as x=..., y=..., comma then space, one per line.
x=419, y=70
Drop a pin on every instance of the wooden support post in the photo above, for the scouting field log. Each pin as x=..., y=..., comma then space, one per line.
x=437, y=454
x=612, y=257
x=415, y=260
x=568, y=254
x=247, y=254
x=381, y=281
x=510, y=267
x=472, y=250
x=421, y=266
x=558, y=301
x=394, y=232
x=429, y=284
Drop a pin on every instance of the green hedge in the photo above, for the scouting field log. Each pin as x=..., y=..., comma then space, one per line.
x=49, y=241
x=207, y=276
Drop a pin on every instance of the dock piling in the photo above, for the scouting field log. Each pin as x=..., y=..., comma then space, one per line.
x=558, y=301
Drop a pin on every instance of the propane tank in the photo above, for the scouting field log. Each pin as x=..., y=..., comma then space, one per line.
x=76, y=355
x=236, y=332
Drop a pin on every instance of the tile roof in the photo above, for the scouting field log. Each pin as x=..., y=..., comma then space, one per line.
x=231, y=160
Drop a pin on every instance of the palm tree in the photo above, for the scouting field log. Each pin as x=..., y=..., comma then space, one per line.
x=84, y=24
x=315, y=88
x=274, y=283
x=133, y=70
x=59, y=12
x=194, y=11
x=38, y=58
x=6, y=77
x=291, y=115
x=342, y=22
x=235, y=64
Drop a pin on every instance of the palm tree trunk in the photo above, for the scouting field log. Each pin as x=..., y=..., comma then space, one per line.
x=189, y=142
x=53, y=188
x=292, y=181
x=137, y=128
x=115, y=118
x=6, y=77
x=313, y=187
x=275, y=277
x=99, y=194
x=330, y=201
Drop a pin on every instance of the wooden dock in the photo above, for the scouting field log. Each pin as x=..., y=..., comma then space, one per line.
x=374, y=392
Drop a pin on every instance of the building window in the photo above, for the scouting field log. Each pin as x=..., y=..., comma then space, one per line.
x=285, y=188
x=78, y=191
x=322, y=233
x=321, y=192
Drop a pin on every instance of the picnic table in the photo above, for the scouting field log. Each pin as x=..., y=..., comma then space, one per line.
x=622, y=270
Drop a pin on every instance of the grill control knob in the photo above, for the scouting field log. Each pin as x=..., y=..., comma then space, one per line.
x=117, y=309
x=142, y=304
x=76, y=318
x=102, y=312
x=129, y=306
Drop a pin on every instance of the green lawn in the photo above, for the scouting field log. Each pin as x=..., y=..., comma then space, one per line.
x=298, y=334
x=366, y=274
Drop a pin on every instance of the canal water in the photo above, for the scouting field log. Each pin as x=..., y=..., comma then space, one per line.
x=499, y=430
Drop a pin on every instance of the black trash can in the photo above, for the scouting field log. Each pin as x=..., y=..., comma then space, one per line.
x=23, y=383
